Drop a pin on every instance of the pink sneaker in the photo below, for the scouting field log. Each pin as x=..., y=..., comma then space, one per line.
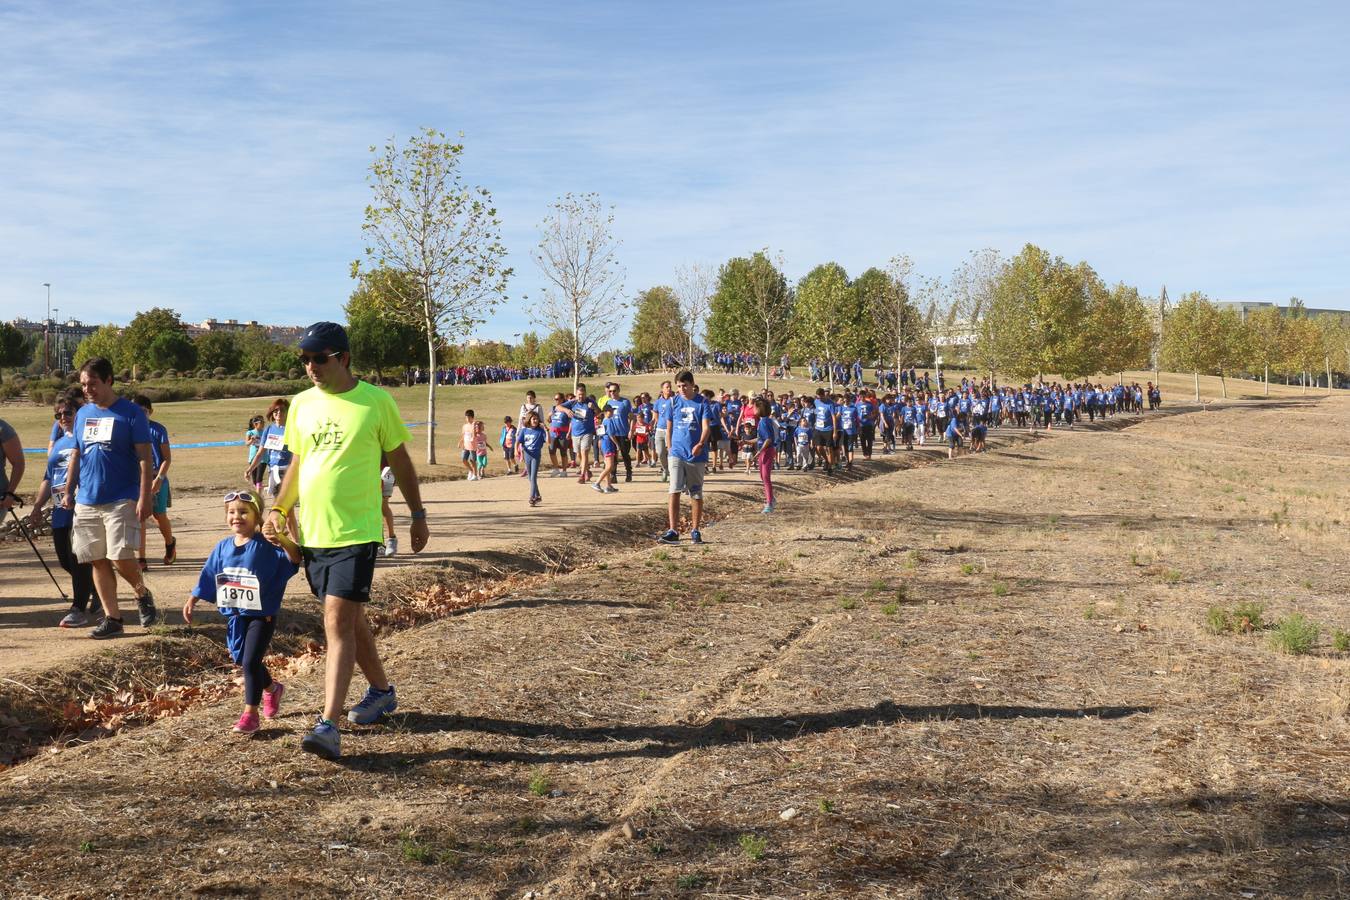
x=247, y=724
x=271, y=704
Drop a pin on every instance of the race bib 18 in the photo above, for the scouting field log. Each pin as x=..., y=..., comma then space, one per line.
x=98, y=431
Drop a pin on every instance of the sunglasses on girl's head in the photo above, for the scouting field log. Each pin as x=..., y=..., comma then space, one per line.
x=61, y=414
x=246, y=496
x=317, y=359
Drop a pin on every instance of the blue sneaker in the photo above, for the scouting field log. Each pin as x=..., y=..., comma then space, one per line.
x=323, y=741
x=768, y=508
x=695, y=537
x=373, y=706
x=670, y=537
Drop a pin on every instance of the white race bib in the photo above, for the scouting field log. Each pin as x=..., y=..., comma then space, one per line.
x=274, y=442
x=237, y=588
x=98, y=431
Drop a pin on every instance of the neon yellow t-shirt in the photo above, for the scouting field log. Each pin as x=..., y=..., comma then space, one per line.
x=336, y=440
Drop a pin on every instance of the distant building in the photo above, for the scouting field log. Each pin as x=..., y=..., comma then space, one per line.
x=1246, y=306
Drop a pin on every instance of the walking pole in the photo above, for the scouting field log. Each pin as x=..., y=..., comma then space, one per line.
x=18, y=501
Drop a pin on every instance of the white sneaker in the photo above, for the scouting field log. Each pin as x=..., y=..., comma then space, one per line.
x=472, y=477
x=391, y=546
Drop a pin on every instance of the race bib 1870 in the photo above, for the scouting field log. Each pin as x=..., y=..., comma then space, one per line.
x=238, y=588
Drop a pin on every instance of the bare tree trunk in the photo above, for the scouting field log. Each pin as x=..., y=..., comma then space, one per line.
x=431, y=396
x=1223, y=386
x=1197, y=387
x=576, y=345
x=765, y=361
x=1328, y=376
x=1267, y=379
x=1304, y=378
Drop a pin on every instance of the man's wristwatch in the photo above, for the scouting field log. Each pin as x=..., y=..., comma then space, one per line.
x=419, y=514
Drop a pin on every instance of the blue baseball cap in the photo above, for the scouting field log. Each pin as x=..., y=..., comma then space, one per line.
x=325, y=336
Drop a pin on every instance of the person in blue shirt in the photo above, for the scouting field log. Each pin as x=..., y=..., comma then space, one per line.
x=953, y=435
x=274, y=459
x=848, y=427
x=560, y=440
x=111, y=471
x=584, y=413
x=161, y=457
x=688, y=434
x=802, y=437
x=532, y=439
x=623, y=431
x=824, y=424
x=610, y=429
x=245, y=576
x=55, y=484
x=766, y=442
x=661, y=428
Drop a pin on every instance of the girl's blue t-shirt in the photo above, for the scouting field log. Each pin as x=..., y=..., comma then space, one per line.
x=532, y=441
x=245, y=581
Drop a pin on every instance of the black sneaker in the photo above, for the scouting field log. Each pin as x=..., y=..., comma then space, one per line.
x=670, y=537
x=146, y=605
x=107, y=628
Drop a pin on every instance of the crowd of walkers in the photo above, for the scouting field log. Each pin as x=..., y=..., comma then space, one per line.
x=321, y=468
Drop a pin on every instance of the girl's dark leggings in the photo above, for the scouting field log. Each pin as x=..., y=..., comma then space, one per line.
x=81, y=574
x=257, y=635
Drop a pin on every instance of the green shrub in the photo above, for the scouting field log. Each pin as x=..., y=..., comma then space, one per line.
x=10, y=389
x=293, y=374
x=155, y=374
x=1295, y=634
x=1218, y=620
x=59, y=374
x=753, y=846
x=1248, y=616
x=1340, y=640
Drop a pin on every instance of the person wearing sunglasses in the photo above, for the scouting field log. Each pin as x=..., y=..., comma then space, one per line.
x=56, y=484
x=336, y=432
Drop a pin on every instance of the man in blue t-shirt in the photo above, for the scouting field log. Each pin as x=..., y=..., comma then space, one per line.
x=111, y=466
x=622, y=431
x=824, y=422
x=584, y=413
x=688, y=433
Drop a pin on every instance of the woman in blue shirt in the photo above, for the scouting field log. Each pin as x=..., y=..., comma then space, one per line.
x=766, y=438
x=55, y=484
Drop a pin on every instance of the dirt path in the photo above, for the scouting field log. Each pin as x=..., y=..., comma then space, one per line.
x=468, y=520
x=988, y=678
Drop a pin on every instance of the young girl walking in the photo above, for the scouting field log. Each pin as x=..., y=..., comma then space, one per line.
x=766, y=437
x=245, y=576
x=532, y=438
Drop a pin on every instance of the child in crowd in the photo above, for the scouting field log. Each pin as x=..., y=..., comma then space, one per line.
x=480, y=448
x=608, y=451
x=468, y=445
x=508, y=442
x=532, y=438
x=386, y=493
x=253, y=438
x=977, y=436
x=161, y=500
x=953, y=435
x=246, y=577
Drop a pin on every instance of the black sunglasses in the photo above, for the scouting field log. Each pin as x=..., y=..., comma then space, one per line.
x=62, y=413
x=317, y=359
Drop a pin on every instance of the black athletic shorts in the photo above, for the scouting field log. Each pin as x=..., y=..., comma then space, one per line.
x=907, y=430
x=344, y=572
x=822, y=439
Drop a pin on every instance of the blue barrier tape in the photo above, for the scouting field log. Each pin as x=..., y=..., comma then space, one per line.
x=41, y=451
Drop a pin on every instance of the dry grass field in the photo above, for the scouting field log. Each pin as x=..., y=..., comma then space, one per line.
x=1050, y=670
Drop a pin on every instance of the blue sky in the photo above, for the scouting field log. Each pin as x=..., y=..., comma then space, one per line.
x=213, y=157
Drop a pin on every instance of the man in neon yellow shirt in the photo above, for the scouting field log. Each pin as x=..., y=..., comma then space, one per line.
x=336, y=432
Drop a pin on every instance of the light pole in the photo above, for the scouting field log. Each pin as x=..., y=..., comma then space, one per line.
x=47, y=331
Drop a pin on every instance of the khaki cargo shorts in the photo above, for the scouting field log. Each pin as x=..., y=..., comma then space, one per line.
x=106, y=531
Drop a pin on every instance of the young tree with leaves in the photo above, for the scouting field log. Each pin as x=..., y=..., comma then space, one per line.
x=578, y=255
x=658, y=326
x=1188, y=344
x=770, y=306
x=216, y=350
x=1265, y=339
x=443, y=236
x=13, y=346
x=827, y=317
x=106, y=341
x=1119, y=328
